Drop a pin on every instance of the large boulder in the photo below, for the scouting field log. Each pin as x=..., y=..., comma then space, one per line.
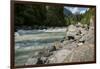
x=73, y=32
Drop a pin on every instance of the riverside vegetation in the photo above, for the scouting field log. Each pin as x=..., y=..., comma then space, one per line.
x=74, y=43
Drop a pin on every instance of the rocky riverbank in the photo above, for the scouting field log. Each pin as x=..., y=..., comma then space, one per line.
x=76, y=46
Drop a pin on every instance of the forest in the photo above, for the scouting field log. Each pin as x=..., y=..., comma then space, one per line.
x=38, y=16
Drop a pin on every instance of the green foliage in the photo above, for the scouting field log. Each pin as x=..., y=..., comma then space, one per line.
x=82, y=18
x=87, y=16
x=38, y=15
x=73, y=19
x=29, y=14
x=43, y=15
x=55, y=16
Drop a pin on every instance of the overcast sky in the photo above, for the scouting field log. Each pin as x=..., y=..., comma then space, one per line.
x=77, y=9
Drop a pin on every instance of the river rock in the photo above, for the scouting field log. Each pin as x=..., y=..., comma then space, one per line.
x=80, y=44
x=79, y=24
x=21, y=32
x=77, y=37
x=82, y=31
x=36, y=53
x=17, y=34
x=83, y=38
x=72, y=32
x=39, y=61
x=31, y=61
x=44, y=52
x=58, y=45
x=59, y=56
x=52, y=48
x=44, y=59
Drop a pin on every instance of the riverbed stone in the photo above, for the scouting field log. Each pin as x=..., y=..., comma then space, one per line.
x=31, y=61
x=59, y=56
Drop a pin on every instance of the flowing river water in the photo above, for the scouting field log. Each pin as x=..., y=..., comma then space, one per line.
x=27, y=41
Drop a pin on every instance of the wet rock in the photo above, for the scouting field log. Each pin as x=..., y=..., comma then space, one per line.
x=39, y=61
x=44, y=53
x=52, y=48
x=21, y=32
x=31, y=61
x=36, y=53
x=17, y=34
x=71, y=37
x=63, y=40
x=58, y=45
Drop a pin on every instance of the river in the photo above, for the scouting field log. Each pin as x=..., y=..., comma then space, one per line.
x=26, y=41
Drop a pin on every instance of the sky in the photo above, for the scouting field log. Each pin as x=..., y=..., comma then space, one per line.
x=74, y=10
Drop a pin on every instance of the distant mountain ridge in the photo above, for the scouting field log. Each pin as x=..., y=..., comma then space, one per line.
x=67, y=12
